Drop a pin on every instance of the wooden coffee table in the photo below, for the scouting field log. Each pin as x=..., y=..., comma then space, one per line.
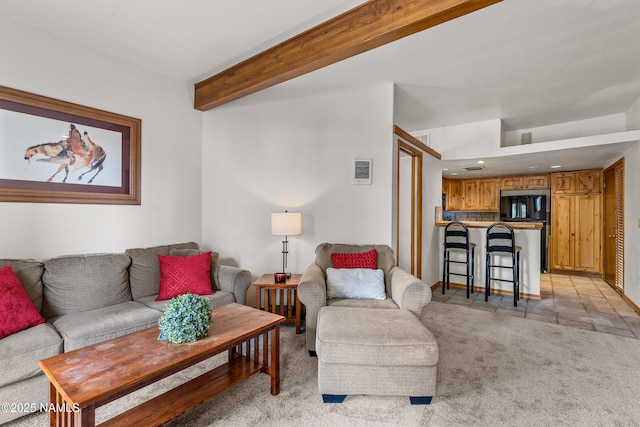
x=289, y=307
x=89, y=377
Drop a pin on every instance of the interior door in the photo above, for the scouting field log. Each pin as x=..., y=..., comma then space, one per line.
x=562, y=234
x=409, y=209
x=613, y=246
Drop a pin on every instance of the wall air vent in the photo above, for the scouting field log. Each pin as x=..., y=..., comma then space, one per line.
x=475, y=168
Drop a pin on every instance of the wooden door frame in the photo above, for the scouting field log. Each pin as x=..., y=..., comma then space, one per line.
x=416, y=206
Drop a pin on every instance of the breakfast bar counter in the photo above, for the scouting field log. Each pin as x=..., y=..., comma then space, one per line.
x=527, y=236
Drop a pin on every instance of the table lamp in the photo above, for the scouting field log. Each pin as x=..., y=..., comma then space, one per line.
x=285, y=224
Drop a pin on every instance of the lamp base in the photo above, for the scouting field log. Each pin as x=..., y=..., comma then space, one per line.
x=280, y=277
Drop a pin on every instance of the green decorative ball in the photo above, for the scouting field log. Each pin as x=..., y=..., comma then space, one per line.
x=187, y=318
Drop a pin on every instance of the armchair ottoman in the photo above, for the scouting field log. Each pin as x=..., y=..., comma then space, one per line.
x=375, y=351
x=403, y=290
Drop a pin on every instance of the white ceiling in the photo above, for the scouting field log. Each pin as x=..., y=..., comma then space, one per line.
x=528, y=62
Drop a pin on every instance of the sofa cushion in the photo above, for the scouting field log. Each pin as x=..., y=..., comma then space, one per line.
x=144, y=273
x=184, y=274
x=17, y=311
x=355, y=283
x=363, y=303
x=367, y=259
x=218, y=299
x=93, y=326
x=78, y=283
x=29, y=273
x=22, y=351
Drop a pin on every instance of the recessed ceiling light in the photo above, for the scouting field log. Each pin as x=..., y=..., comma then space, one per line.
x=445, y=169
x=480, y=162
x=533, y=167
x=556, y=166
x=454, y=173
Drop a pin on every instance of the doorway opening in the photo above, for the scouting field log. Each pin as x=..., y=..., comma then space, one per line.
x=409, y=209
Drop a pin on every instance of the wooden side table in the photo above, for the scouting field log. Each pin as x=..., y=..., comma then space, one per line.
x=274, y=293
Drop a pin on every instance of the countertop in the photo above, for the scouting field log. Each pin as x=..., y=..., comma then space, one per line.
x=486, y=224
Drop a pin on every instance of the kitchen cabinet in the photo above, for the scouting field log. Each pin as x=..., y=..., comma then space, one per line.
x=563, y=183
x=470, y=194
x=490, y=194
x=452, y=189
x=476, y=194
x=522, y=182
x=588, y=181
x=536, y=182
x=576, y=223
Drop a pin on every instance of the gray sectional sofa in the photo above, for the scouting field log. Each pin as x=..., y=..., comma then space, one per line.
x=87, y=299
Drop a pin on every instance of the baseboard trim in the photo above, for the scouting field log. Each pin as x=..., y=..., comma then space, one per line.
x=631, y=303
x=493, y=291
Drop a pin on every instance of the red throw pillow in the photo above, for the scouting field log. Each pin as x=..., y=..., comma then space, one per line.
x=17, y=311
x=184, y=275
x=362, y=260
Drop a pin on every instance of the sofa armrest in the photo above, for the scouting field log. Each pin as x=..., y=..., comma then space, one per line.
x=312, y=292
x=409, y=292
x=235, y=280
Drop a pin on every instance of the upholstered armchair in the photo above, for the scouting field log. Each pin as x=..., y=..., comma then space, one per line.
x=401, y=290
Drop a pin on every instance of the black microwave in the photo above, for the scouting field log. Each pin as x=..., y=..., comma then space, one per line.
x=529, y=207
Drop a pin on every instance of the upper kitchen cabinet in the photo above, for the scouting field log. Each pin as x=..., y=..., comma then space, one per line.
x=580, y=182
x=490, y=194
x=524, y=182
x=536, y=181
x=563, y=183
x=512, y=182
x=471, y=194
x=452, y=190
x=588, y=181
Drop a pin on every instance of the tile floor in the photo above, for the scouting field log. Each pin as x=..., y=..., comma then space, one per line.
x=577, y=301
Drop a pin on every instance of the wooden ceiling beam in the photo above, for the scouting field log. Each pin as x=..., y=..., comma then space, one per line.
x=365, y=27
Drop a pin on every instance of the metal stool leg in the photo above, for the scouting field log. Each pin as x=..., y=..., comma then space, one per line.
x=473, y=269
x=468, y=276
x=487, y=279
x=444, y=271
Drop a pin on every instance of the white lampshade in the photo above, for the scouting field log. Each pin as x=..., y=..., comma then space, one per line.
x=286, y=223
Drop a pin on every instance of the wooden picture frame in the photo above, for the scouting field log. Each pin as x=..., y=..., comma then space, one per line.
x=55, y=151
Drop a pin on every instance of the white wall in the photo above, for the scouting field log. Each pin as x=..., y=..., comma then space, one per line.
x=633, y=116
x=468, y=140
x=631, y=229
x=38, y=62
x=580, y=128
x=432, y=197
x=293, y=149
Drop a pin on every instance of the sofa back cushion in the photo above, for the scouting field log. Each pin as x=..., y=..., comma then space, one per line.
x=386, y=260
x=78, y=283
x=29, y=273
x=144, y=273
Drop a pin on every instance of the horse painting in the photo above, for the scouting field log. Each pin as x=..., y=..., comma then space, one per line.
x=75, y=152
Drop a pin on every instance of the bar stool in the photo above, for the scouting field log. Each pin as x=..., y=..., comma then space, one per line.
x=501, y=242
x=456, y=239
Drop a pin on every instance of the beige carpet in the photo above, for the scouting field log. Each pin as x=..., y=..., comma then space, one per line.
x=495, y=370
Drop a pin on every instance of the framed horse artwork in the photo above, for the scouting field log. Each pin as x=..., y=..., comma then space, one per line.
x=59, y=152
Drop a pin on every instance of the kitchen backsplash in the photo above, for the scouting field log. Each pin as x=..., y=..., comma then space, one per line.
x=470, y=216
